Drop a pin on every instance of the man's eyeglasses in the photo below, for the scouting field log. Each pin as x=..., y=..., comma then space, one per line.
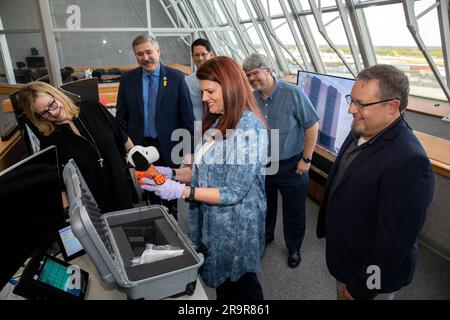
x=360, y=105
x=51, y=107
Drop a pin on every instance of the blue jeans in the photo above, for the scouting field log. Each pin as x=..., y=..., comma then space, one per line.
x=293, y=189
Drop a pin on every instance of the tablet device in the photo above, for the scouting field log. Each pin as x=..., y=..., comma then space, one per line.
x=68, y=243
x=62, y=276
x=48, y=278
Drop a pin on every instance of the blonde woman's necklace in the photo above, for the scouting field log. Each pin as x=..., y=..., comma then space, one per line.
x=93, y=144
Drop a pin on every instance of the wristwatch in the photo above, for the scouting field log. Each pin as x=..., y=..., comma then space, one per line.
x=173, y=175
x=191, y=195
x=306, y=159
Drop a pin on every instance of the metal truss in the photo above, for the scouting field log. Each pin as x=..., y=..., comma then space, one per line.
x=443, y=12
x=362, y=34
x=308, y=39
x=281, y=44
x=261, y=36
x=323, y=31
x=273, y=40
x=225, y=40
x=300, y=46
x=49, y=41
x=411, y=23
x=227, y=8
x=181, y=21
x=203, y=19
x=349, y=34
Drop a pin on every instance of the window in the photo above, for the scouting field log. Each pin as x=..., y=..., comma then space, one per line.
x=399, y=48
x=104, y=48
x=333, y=64
x=272, y=7
x=19, y=14
x=25, y=52
x=104, y=14
x=242, y=11
x=283, y=32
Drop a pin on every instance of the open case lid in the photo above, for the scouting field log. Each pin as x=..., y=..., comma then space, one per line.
x=91, y=228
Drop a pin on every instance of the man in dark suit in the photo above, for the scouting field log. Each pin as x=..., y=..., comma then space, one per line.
x=153, y=101
x=150, y=122
x=377, y=192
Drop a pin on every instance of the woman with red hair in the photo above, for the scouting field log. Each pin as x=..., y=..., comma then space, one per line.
x=225, y=183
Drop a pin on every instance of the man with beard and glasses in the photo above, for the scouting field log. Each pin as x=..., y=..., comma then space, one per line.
x=377, y=192
x=152, y=102
x=286, y=108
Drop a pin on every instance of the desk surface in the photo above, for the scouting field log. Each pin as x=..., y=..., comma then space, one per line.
x=428, y=106
x=12, y=151
x=104, y=77
x=5, y=146
x=438, y=150
x=99, y=290
x=110, y=77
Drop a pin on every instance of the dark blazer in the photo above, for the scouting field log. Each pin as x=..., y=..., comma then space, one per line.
x=173, y=108
x=375, y=214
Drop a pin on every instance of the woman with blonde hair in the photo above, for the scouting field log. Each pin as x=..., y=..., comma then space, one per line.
x=87, y=133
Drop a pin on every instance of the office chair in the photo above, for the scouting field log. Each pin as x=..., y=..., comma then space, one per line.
x=39, y=73
x=100, y=71
x=85, y=89
x=20, y=64
x=69, y=69
x=23, y=75
x=115, y=71
x=97, y=74
x=65, y=76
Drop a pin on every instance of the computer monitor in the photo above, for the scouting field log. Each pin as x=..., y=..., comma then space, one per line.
x=85, y=89
x=35, y=62
x=327, y=94
x=28, y=131
x=31, y=208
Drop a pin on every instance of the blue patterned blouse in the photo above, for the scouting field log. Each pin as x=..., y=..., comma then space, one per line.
x=233, y=231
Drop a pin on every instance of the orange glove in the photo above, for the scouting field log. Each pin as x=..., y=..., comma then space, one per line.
x=151, y=173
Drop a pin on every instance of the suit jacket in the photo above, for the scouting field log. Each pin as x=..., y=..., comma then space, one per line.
x=375, y=213
x=173, y=108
